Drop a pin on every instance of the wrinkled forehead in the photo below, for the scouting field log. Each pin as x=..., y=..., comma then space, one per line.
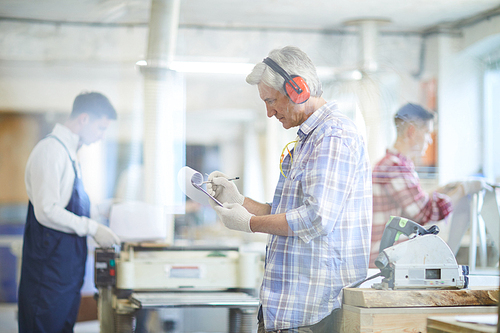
x=265, y=91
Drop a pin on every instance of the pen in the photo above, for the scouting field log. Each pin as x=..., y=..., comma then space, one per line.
x=209, y=181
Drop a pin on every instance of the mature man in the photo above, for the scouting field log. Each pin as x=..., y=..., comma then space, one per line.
x=396, y=185
x=320, y=218
x=58, y=221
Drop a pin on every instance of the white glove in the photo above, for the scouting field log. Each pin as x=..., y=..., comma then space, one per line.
x=222, y=189
x=474, y=185
x=234, y=216
x=105, y=237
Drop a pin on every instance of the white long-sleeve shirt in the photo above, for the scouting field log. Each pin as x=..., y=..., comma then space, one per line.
x=49, y=182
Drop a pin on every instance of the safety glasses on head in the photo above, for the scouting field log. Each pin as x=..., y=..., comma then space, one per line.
x=295, y=86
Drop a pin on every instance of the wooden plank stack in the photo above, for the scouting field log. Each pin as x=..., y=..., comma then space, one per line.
x=371, y=310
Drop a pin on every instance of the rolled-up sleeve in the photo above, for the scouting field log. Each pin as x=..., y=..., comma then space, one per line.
x=417, y=204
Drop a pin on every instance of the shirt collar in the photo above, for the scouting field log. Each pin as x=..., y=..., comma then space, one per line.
x=315, y=119
x=69, y=138
x=403, y=158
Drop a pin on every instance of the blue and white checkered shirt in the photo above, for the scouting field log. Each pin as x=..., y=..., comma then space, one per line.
x=327, y=198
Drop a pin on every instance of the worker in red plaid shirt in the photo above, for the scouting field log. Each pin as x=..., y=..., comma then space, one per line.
x=396, y=185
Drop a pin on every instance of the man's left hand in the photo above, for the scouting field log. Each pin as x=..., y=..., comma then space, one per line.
x=475, y=184
x=234, y=216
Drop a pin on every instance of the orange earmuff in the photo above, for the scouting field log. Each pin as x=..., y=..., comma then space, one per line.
x=295, y=86
x=303, y=94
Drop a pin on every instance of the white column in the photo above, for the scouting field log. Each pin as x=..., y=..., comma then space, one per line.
x=164, y=112
x=253, y=183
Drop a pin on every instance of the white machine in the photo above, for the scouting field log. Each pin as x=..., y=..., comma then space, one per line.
x=424, y=261
x=147, y=276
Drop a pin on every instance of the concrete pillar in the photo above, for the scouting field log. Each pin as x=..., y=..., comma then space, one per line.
x=164, y=111
x=368, y=89
x=253, y=184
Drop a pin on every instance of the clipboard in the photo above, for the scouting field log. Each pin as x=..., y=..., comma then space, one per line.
x=191, y=184
x=204, y=191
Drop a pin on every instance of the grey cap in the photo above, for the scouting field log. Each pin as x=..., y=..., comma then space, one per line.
x=413, y=112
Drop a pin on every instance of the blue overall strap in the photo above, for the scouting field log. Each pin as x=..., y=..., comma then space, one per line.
x=79, y=205
x=67, y=150
x=53, y=269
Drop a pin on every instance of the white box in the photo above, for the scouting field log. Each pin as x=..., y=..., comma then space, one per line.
x=139, y=221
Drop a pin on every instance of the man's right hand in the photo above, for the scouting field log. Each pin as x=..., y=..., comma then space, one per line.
x=222, y=189
x=105, y=237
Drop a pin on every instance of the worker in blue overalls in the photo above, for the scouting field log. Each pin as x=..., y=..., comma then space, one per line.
x=58, y=221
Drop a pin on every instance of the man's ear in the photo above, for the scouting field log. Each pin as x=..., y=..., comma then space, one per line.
x=410, y=130
x=83, y=118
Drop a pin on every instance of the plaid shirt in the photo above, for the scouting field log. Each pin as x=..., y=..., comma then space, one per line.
x=327, y=198
x=397, y=192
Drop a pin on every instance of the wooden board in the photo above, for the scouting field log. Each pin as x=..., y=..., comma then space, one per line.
x=372, y=298
x=450, y=324
x=408, y=320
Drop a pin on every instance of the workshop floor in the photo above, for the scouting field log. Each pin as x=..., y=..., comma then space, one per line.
x=8, y=321
x=209, y=321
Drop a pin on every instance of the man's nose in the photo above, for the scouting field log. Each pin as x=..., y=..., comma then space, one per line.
x=270, y=111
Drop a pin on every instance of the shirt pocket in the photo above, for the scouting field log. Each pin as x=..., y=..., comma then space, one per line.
x=293, y=190
x=296, y=173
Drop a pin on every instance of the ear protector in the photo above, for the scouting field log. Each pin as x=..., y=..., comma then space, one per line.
x=295, y=86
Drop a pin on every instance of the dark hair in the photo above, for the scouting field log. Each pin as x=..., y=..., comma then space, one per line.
x=95, y=104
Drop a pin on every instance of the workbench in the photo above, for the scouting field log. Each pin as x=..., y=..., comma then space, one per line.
x=371, y=310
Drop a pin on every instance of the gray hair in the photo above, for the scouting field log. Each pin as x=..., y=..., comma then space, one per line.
x=295, y=62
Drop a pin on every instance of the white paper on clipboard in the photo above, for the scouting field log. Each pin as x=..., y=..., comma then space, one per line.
x=191, y=183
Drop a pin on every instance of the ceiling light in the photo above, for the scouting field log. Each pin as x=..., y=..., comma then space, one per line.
x=212, y=67
x=207, y=67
